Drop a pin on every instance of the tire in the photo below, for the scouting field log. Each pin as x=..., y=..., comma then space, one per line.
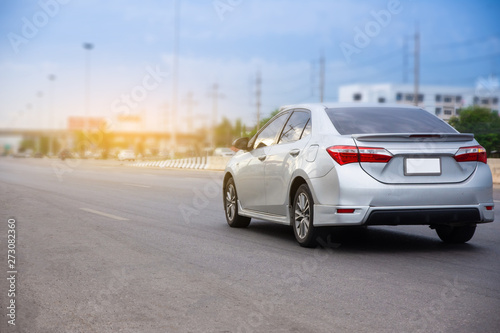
x=231, y=207
x=455, y=235
x=303, y=218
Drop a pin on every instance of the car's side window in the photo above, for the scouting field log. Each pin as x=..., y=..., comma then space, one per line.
x=268, y=134
x=295, y=127
x=307, y=129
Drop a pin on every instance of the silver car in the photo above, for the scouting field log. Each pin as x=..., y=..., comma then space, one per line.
x=315, y=166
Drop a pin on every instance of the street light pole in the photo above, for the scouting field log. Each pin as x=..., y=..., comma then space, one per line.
x=175, y=77
x=51, y=78
x=88, y=47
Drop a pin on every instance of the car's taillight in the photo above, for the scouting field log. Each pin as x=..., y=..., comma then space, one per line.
x=471, y=154
x=374, y=155
x=343, y=154
x=352, y=154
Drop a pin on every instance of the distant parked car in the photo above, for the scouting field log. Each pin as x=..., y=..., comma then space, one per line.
x=320, y=165
x=64, y=154
x=23, y=154
x=225, y=152
x=126, y=155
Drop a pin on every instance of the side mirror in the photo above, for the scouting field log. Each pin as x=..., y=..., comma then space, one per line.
x=241, y=143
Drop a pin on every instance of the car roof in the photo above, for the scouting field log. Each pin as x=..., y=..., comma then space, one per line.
x=311, y=106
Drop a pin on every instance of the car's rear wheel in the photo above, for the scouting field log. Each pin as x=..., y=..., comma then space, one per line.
x=455, y=235
x=303, y=217
x=231, y=207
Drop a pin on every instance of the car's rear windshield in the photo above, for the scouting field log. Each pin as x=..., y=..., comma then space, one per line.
x=367, y=120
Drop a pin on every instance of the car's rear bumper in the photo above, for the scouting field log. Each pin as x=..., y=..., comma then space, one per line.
x=325, y=215
x=351, y=186
x=376, y=203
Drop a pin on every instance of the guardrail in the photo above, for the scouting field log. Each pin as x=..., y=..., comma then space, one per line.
x=219, y=163
x=200, y=163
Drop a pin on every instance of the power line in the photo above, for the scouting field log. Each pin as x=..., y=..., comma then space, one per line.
x=462, y=61
x=463, y=43
x=378, y=74
x=293, y=77
x=443, y=80
x=379, y=59
x=294, y=90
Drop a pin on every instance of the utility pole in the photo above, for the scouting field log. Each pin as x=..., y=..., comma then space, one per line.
x=416, y=66
x=175, y=76
x=165, y=123
x=88, y=47
x=215, y=96
x=166, y=116
x=322, y=77
x=313, y=77
x=258, y=94
x=190, y=103
x=405, y=60
x=493, y=67
x=39, y=94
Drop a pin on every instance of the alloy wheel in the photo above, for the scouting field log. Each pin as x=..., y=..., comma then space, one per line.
x=302, y=215
x=230, y=202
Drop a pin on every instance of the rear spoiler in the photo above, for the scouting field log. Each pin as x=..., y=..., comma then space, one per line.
x=419, y=137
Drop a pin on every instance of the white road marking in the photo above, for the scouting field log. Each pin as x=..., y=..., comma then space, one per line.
x=111, y=216
x=136, y=185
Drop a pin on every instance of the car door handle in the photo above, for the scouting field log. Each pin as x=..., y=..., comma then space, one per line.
x=262, y=157
x=294, y=152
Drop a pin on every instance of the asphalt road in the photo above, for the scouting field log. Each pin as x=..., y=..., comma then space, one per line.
x=104, y=247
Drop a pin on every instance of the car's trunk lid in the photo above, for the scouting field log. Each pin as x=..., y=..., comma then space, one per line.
x=418, y=158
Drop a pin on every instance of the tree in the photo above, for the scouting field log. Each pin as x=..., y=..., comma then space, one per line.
x=263, y=122
x=226, y=133
x=27, y=144
x=484, y=123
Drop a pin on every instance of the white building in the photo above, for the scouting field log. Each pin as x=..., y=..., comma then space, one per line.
x=442, y=101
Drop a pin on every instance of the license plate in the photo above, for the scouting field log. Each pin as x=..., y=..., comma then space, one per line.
x=422, y=166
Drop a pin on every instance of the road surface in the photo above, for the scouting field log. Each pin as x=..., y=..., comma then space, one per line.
x=102, y=246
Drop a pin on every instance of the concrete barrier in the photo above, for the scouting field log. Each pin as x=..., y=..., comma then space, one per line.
x=201, y=163
x=494, y=164
x=217, y=162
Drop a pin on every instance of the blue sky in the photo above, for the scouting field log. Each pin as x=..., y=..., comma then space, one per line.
x=226, y=42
